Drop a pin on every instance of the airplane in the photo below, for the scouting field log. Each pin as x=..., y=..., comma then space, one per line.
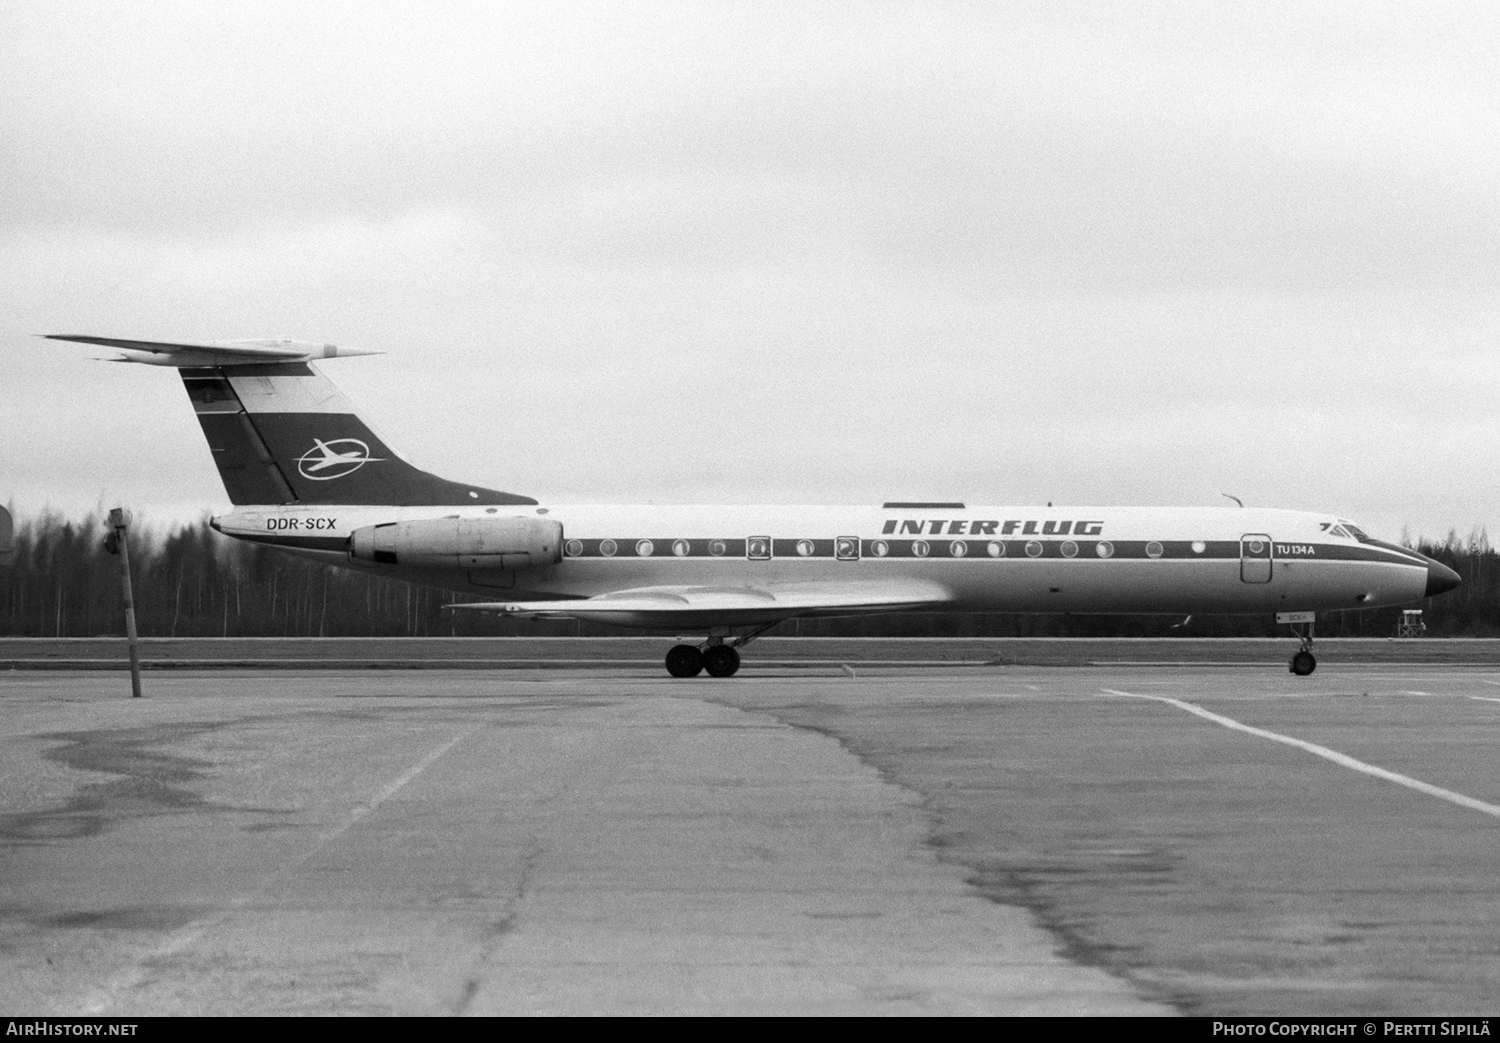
x=305, y=474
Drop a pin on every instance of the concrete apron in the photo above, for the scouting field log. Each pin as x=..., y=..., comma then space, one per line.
x=638, y=855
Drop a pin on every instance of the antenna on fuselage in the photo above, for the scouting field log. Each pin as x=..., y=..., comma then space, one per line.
x=1236, y=499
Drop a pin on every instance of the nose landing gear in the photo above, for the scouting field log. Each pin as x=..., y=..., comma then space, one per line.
x=1303, y=661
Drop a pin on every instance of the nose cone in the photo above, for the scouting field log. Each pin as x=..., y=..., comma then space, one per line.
x=1440, y=579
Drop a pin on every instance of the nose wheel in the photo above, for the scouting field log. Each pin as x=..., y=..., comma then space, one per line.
x=1303, y=661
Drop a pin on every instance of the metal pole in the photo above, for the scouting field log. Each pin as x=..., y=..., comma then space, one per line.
x=7, y=538
x=120, y=519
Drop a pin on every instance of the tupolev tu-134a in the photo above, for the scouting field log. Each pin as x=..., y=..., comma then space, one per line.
x=305, y=474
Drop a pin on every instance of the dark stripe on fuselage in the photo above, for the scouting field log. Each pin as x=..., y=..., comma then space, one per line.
x=783, y=548
x=339, y=543
x=1405, y=554
x=793, y=548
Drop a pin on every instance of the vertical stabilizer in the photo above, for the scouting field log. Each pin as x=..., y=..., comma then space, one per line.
x=282, y=433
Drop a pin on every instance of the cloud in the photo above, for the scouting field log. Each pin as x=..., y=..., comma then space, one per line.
x=662, y=251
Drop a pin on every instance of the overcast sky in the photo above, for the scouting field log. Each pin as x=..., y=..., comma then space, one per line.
x=714, y=252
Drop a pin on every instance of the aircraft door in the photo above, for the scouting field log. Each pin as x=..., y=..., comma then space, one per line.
x=1255, y=558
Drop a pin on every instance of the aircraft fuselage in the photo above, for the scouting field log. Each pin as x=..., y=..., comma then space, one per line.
x=987, y=559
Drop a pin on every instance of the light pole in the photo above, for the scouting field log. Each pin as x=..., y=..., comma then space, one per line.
x=116, y=543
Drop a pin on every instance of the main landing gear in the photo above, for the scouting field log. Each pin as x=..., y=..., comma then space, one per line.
x=688, y=661
x=716, y=656
x=1303, y=661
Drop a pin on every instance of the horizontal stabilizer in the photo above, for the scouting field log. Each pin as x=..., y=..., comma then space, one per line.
x=190, y=355
x=706, y=605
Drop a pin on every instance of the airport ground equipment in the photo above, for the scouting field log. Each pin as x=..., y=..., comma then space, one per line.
x=1410, y=624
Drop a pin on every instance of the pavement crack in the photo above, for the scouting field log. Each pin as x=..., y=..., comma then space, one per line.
x=498, y=930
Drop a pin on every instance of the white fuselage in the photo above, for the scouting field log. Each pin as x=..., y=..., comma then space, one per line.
x=988, y=559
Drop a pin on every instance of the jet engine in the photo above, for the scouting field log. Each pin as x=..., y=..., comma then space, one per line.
x=460, y=543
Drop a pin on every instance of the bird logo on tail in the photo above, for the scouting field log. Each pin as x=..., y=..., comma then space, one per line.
x=335, y=458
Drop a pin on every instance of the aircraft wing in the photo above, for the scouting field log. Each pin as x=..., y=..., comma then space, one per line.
x=744, y=605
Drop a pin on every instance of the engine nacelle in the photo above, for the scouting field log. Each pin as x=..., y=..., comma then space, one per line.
x=461, y=543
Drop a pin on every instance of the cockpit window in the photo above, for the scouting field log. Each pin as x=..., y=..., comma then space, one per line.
x=1341, y=532
x=1355, y=531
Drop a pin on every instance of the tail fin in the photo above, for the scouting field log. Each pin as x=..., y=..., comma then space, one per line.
x=282, y=433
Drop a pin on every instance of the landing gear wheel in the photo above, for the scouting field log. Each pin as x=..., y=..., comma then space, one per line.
x=684, y=661
x=720, y=661
x=1302, y=624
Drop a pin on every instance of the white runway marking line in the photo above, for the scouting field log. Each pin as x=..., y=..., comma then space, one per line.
x=106, y=997
x=385, y=794
x=1485, y=698
x=1341, y=759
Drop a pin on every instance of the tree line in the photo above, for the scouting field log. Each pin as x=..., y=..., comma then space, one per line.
x=191, y=582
